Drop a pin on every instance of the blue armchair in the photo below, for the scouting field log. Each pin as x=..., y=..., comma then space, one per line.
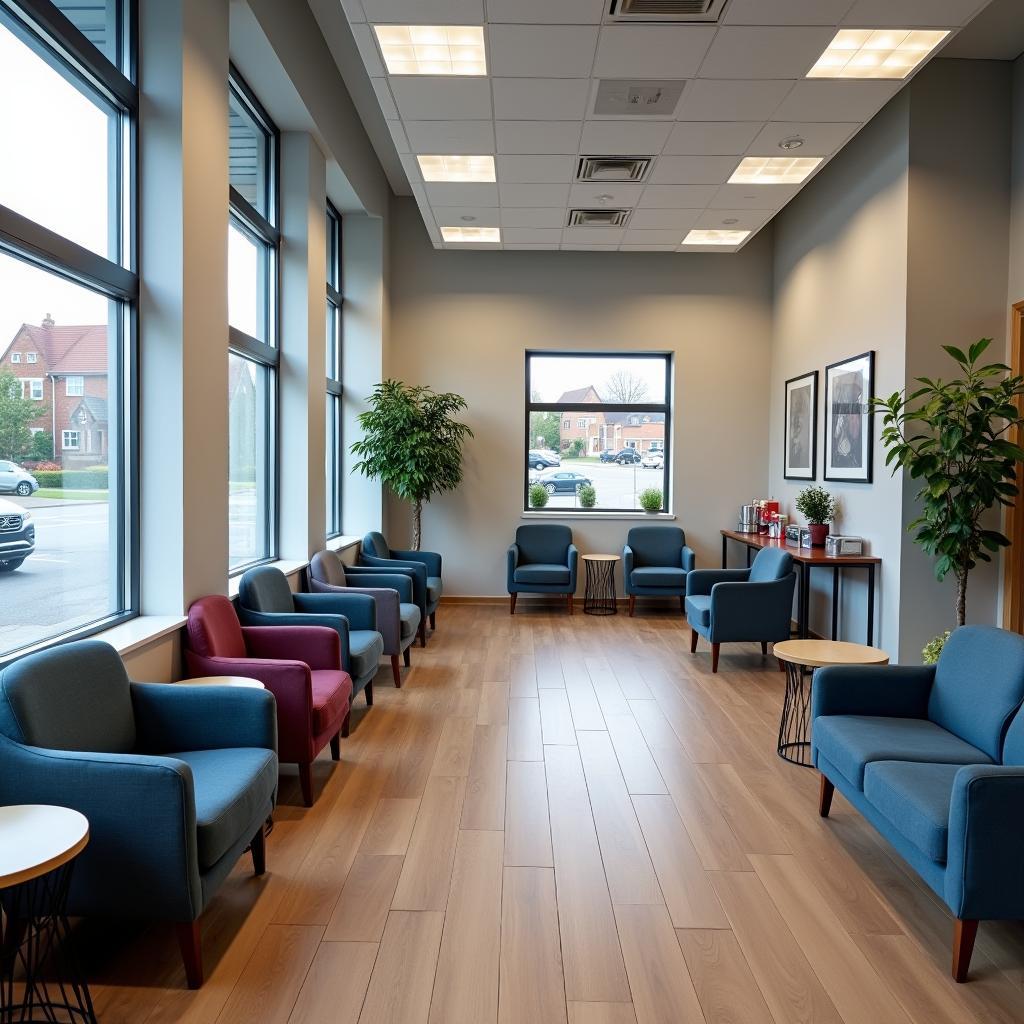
x=265, y=599
x=933, y=757
x=742, y=605
x=655, y=563
x=424, y=566
x=543, y=560
x=176, y=780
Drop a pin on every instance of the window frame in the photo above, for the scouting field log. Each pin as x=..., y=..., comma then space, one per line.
x=78, y=377
x=572, y=410
x=333, y=385
x=64, y=446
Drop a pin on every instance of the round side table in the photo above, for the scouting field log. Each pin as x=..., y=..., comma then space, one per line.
x=599, y=597
x=801, y=658
x=252, y=684
x=38, y=847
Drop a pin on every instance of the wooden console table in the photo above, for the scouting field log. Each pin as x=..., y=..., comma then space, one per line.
x=807, y=559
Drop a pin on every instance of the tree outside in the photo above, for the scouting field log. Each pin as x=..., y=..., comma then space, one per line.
x=16, y=413
x=544, y=430
x=625, y=387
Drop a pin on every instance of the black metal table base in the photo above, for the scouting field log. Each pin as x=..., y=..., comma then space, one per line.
x=599, y=597
x=40, y=977
x=795, y=727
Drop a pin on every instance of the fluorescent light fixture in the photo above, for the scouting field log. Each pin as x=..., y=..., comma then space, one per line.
x=875, y=53
x=489, y=235
x=457, y=168
x=773, y=170
x=699, y=236
x=432, y=49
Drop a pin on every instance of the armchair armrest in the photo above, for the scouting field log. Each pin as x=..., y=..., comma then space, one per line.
x=387, y=604
x=176, y=716
x=574, y=557
x=886, y=691
x=511, y=563
x=431, y=559
x=361, y=583
x=700, y=581
x=416, y=570
x=311, y=644
x=357, y=608
x=751, y=611
x=688, y=560
x=627, y=562
x=297, y=647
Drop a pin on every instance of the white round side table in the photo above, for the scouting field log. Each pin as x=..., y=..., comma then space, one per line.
x=253, y=684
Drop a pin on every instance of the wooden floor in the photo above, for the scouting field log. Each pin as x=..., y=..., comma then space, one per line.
x=566, y=820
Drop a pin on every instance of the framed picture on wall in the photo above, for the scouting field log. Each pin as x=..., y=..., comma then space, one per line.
x=800, y=457
x=849, y=386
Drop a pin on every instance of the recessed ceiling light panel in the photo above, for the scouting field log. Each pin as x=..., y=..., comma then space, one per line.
x=702, y=236
x=773, y=170
x=876, y=53
x=432, y=49
x=457, y=168
x=460, y=234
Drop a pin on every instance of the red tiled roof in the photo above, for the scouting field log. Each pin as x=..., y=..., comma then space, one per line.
x=587, y=394
x=68, y=349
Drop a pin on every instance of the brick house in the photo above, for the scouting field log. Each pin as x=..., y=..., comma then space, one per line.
x=64, y=369
x=612, y=430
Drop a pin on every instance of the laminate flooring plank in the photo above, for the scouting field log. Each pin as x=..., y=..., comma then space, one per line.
x=725, y=987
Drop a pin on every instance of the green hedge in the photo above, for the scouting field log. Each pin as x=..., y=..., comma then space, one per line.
x=74, y=479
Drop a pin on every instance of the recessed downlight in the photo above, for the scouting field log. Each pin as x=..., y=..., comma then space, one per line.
x=432, y=49
x=456, y=168
x=773, y=170
x=490, y=236
x=711, y=236
x=730, y=220
x=875, y=53
x=791, y=142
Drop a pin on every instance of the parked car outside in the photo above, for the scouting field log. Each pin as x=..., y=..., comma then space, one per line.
x=17, y=535
x=15, y=480
x=608, y=455
x=542, y=459
x=653, y=459
x=563, y=481
x=626, y=457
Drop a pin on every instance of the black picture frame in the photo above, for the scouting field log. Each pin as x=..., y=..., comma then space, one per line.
x=801, y=402
x=848, y=434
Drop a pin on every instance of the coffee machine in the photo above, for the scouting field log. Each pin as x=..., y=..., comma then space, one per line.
x=750, y=517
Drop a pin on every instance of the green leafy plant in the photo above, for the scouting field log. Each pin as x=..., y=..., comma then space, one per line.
x=538, y=496
x=951, y=435
x=576, y=448
x=816, y=505
x=587, y=496
x=16, y=414
x=932, y=649
x=650, y=499
x=412, y=443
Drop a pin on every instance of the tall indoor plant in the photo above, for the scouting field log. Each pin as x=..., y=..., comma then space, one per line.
x=412, y=443
x=952, y=435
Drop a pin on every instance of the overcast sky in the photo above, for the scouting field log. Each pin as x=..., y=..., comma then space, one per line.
x=552, y=375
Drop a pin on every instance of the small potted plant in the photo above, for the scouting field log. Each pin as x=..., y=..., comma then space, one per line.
x=819, y=508
x=588, y=496
x=538, y=496
x=650, y=500
x=932, y=649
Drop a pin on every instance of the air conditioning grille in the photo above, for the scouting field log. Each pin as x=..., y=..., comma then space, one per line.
x=613, y=168
x=668, y=10
x=598, y=218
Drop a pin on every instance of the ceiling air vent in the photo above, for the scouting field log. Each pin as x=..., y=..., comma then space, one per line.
x=598, y=218
x=667, y=10
x=613, y=168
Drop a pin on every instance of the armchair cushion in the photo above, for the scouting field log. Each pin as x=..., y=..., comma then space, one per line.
x=359, y=609
x=265, y=589
x=659, y=576
x=915, y=800
x=434, y=589
x=326, y=567
x=698, y=609
x=770, y=564
x=409, y=618
x=232, y=789
x=539, y=572
x=365, y=650
x=332, y=697
x=543, y=544
x=656, y=545
x=213, y=629
x=375, y=545
x=852, y=741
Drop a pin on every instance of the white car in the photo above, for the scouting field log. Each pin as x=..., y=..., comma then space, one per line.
x=653, y=460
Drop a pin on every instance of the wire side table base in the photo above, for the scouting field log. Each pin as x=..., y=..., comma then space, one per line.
x=599, y=597
x=795, y=727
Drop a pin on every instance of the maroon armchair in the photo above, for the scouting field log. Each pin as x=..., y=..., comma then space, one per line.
x=299, y=665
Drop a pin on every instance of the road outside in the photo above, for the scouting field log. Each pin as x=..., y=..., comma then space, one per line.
x=616, y=486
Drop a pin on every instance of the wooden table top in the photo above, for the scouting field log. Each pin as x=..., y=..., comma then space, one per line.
x=819, y=653
x=600, y=558
x=253, y=684
x=38, y=838
x=808, y=556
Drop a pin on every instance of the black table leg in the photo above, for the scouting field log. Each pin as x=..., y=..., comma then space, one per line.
x=835, y=601
x=871, y=605
x=794, y=729
x=747, y=546
x=805, y=583
x=725, y=552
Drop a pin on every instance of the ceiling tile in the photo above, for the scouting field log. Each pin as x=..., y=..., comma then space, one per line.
x=678, y=220
x=624, y=138
x=692, y=170
x=455, y=216
x=469, y=137
x=541, y=51
x=764, y=52
x=534, y=245
x=753, y=197
x=667, y=197
x=785, y=12
x=398, y=136
x=652, y=51
x=593, y=236
x=636, y=236
x=451, y=193
x=666, y=247
x=731, y=100
x=711, y=137
x=353, y=10
x=532, y=235
x=617, y=194
x=540, y=99
x=533, y=169
x=554, y=12
x=739, y=220
x=384, y=98
x=820, y=100
x=367, y=46
x=534, y=195
x=426, y=12
x=912, y=13
x=538, y=136
x=820, y=138
x=587, y=247
x=525, y=217
x=452, y=99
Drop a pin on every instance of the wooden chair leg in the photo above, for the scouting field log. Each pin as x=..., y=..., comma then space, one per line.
x=682, y=604
x=423, y=632
x=336, y=747
x=632, y=604
x=306, y=782
x=396, y=671
x=368, y=692
x=433, y=620
x=407, y=656
x=825, y=791
x=693, y=641
x=512, y=603
x=346, y=724
x=258, y=849
x=964, y=934
x=714, y=656
x=570, y=603
x=191, y=944
x=764, y=648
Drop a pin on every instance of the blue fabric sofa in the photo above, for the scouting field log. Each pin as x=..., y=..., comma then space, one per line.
x=543, y=560
x=933, y=757
x=176, y=780
x=424, y=566
x=742, y=605
x=655, y=563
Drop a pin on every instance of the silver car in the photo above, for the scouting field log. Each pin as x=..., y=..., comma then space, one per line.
x=15, y=480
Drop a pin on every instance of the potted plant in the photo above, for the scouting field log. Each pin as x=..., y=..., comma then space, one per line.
x=650, y=500
x=819, y=508
x=952, y=436
x=412, y=442
x=932, y=649
x=588, y=496
x=538, y=496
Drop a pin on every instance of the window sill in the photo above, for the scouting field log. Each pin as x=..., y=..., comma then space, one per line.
x=342, y=543
x=287, y=566
x=140, y=632
x=570, y=514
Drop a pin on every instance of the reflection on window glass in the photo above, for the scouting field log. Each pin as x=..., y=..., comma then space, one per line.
x=247, y=461
x=59, y=529
x=98, y=21
x=247, y=156
x=54, y=167
x=245, y=279
x=333, y=469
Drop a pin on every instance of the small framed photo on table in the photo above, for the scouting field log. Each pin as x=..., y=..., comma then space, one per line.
x=801, y=427
x=849, y=443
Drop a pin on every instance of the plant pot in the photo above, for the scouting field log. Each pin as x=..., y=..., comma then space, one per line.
x=819, y=531
x=652, y=511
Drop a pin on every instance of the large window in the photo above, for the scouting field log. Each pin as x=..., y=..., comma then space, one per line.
x=253, y=241
x=334, y=300
x=68, y=291
x=597, y=421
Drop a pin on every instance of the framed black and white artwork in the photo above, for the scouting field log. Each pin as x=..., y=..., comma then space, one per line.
x=849, y=386
x=801, y=427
